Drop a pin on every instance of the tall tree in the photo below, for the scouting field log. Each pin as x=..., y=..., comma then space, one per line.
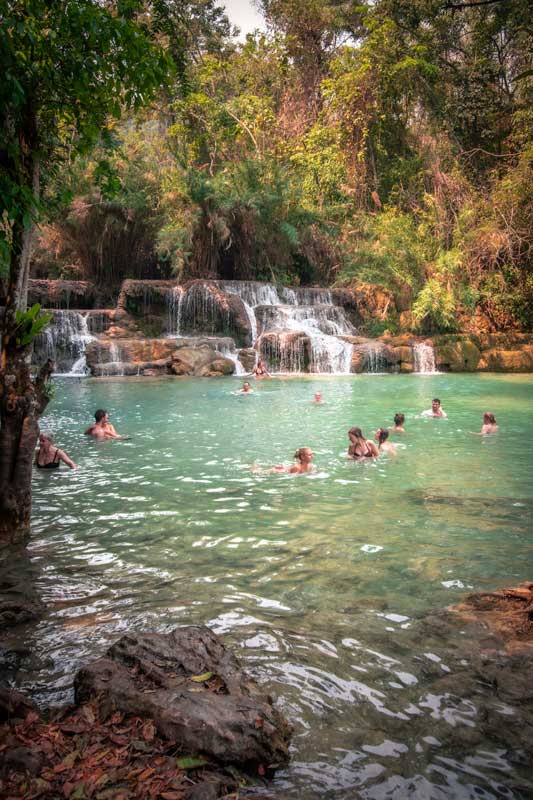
x=66, y=66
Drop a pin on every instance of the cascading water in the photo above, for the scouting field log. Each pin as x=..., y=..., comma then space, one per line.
x=174, y=307
x=302, y=310
x=374, y=360
x=115, y=363
x=228, y=351
x=64, y=342
x=424, y=358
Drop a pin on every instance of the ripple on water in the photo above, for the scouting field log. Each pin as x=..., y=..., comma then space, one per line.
x=331, y=616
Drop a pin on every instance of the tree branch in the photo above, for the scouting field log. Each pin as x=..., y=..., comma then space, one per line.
x=461, y=6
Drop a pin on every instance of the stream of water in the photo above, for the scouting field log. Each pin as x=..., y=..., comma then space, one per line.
x=321, y=583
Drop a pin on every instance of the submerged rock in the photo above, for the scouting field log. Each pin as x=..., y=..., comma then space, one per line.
x=195, y=692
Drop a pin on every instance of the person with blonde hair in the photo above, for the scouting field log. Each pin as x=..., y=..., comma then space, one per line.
x=48, y=456
x=304, y=457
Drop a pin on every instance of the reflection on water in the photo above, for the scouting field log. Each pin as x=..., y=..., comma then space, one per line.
x=321, y=583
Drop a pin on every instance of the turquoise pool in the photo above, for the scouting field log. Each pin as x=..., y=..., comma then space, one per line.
x=321, y=583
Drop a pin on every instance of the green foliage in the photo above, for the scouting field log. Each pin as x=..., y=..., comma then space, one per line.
x=390, y=251
x=387, y=142
x=435, y=308
x=28, y=324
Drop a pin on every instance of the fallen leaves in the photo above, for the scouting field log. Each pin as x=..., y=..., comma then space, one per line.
x=86, y=758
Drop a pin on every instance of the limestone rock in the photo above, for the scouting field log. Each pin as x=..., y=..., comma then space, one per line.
x=64, y=294
x=195, y=692
x=223, y=366
x=519, y=360
x=461, y=355
x=247, y=357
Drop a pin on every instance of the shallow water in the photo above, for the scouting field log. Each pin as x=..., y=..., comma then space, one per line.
x=319, y=582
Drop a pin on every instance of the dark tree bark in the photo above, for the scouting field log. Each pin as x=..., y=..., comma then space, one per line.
x=22, y=399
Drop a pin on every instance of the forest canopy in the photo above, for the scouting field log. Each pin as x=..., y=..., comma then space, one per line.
x=384, y=142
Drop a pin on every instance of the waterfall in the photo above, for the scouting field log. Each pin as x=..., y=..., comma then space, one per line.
x=228, y=351
x=285, y=352
x=424, y=358
x=174, y=300
x=374, y=360
x=252, y=292
x=286, y=312
x=197, y=310
x=114, y=365
x=64, y=341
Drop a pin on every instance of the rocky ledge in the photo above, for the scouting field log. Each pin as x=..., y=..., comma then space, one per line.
x=169, y=716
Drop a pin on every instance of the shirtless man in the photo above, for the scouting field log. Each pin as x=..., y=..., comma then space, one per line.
x=318, y=397
x=246, y=389
x=436, y=410
x=102, y=428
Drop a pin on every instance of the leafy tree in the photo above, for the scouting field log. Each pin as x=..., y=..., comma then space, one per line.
x=66, y=66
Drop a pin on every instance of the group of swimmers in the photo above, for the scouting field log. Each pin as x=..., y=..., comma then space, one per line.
x=361, y=448
x=49, y=457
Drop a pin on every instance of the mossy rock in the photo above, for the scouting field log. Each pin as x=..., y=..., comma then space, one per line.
x=461, y=355
x=508, y=360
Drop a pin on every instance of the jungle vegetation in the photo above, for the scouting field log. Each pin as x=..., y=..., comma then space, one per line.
x=386, y=142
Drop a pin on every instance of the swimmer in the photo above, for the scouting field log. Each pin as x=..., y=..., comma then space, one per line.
x=304, y=456
x=384, y=446
x=489, y=424
x=102, y=428
x=317, y=398
x=359, y=446
x=260, y=370
x=399, y=419
x=246, y=389
x=48, y=456
x=436, y=410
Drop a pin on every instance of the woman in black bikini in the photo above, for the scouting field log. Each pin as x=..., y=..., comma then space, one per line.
x=48, y=456
x=359, y=446
x=260, y=370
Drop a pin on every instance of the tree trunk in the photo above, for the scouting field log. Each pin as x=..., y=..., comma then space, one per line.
x=22, y=399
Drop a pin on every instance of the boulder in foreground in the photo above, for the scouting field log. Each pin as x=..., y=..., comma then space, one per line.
x=195, y=692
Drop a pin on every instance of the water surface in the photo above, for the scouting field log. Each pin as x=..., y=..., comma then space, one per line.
x=321, y=583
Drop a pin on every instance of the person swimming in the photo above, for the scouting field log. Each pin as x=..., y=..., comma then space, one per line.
x=399, y=419
x=384, y=446
x=102, y=428
x=304, y=457
x=317, y=398
x=436, y=410
x=246, y=389
x=489, y=424
x=359, y=446
x=48, y=456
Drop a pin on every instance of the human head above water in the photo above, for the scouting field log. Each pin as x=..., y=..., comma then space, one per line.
x=318, y=396
x=399, y=419
x=46, y=438
x=435, y=404
x=357, y=433
x=100, y=414
x=489, y=418
x=303, y=454
x=382, y=435
x=246, y=386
